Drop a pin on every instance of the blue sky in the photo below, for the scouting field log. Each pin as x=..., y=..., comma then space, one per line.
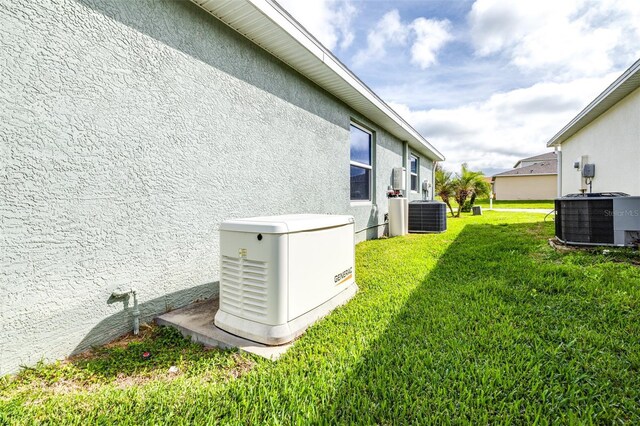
x=485, y=81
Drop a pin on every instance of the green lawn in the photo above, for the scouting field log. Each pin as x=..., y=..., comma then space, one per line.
x=484, y=323
x=510, y=204
x=517, y=204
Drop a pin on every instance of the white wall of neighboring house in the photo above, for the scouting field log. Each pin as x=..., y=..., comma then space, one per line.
x=523, y=187
x=612, y=143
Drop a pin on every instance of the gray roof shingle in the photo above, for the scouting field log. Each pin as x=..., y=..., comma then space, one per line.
x=540, y=168
x=541, y=157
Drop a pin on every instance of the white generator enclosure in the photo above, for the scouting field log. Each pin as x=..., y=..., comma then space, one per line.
x=280, y=274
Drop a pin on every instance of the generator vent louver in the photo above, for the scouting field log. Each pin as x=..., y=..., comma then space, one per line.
x=244, y=286
x=427, y=216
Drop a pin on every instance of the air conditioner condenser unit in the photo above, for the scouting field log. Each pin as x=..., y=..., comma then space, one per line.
x=280, y=274
x=427, y=216
x=598, y=219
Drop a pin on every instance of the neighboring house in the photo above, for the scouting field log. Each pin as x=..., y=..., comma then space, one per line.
x=533, y=178
x=606, y=134
x=131, y=129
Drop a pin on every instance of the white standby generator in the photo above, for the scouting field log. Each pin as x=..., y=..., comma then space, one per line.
x=280, y=274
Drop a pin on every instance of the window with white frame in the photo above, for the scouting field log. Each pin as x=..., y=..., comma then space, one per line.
x=361, y=164
x=414, y=172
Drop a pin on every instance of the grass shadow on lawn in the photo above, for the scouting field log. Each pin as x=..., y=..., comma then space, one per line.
x=497, y=333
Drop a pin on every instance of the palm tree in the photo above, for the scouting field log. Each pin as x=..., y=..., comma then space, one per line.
x=469, y=184
x=481, y=188
x=445, y=186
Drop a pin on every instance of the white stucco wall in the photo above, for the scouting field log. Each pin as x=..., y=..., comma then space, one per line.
x=541, y=187
x=612, y=143
x=129, y=131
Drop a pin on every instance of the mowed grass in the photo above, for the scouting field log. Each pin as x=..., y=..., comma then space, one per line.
x=517, y=204
x=482, y=324
x=510, y=204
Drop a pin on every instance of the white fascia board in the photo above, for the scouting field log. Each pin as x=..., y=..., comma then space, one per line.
x=347, y=85
x=421, y=145
x=621, y=87
x=274, y=12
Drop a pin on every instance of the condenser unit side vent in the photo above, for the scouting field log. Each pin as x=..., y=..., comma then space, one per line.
x=427, y=216
x=598, y=220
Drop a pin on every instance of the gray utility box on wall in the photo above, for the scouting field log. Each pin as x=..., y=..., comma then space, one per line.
x=598, y=219
x=427, y=216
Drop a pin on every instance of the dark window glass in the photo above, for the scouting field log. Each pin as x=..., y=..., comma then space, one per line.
x=360, y=146
x=360, y=178
x=414, y=173
x=361, y=161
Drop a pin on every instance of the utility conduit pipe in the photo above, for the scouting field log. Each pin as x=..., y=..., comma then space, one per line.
x=136, y=310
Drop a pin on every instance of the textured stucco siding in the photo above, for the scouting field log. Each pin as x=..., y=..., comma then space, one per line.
x=612, y=143
x=129, y=131
x=542, y=187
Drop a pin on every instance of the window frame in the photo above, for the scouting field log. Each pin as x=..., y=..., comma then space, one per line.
x=416, y=174
x=362, y=165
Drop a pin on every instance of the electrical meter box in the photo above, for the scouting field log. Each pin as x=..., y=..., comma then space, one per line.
x=589, y=170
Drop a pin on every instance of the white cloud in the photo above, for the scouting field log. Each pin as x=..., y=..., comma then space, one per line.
x=507, y=126
x=546, y=59
x=427, y=37
x=431, y=35
x=327, y=20
x=389, y=30
x=558, y=39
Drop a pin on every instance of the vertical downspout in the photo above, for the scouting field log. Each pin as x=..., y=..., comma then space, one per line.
x=559, y=160
x=405, y=156
x=433, y=179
